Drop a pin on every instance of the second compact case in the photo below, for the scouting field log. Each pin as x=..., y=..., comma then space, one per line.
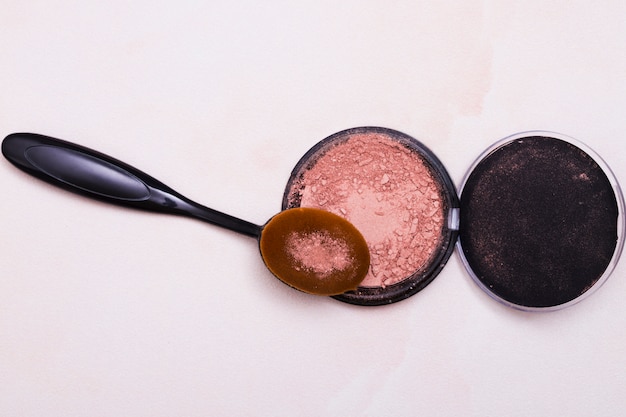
x=538, y=220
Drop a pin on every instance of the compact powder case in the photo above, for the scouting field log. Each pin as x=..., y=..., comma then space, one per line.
x=399, y=196
x=538, y=225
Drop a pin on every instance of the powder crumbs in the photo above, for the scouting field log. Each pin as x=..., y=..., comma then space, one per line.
x=318, y=252
x=388, y=192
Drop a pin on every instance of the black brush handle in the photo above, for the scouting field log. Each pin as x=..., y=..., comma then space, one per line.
x=96, y=175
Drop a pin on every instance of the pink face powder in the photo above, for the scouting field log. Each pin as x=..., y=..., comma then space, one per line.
x=319, y=252
x=390, y=188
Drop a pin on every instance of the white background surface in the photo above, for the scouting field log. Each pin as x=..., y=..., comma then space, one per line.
x=106, y=311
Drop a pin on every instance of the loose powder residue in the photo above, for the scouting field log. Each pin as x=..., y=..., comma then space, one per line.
x=319, y=252
x=538, y=221
x=385, y=189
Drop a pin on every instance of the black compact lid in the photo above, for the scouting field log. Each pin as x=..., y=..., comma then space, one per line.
x=541, y=221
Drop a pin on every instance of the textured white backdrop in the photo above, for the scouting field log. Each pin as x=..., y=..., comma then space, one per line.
x=109, y=312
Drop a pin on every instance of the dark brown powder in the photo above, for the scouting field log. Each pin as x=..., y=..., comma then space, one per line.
x=538, y=222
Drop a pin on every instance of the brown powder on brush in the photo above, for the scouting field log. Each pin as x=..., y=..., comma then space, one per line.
x=388, y=192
